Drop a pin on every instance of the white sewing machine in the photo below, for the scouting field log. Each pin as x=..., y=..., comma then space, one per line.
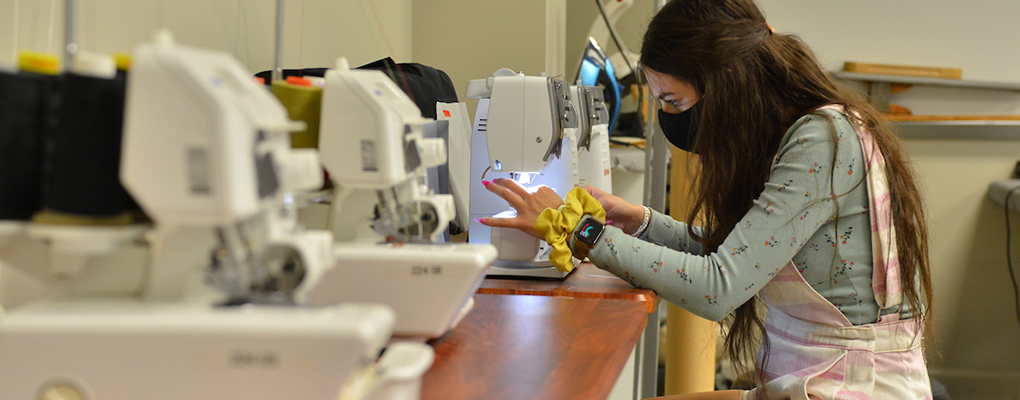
x=384, y=216
x=132, y=313
x=525, y=130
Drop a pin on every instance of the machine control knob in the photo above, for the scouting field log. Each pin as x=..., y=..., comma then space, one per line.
x=61, y=391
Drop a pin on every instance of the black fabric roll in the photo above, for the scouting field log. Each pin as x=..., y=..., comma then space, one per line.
x=24, y=101
x=267, y=76
x=424, y=84
x=81, y=176
x=445, y=91
x=420, y=90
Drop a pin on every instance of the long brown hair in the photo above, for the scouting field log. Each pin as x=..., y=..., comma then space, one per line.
x=754, y=84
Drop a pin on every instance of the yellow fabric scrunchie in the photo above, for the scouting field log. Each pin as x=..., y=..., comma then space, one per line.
x=557, y=225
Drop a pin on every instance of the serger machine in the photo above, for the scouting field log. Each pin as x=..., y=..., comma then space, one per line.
x=210, y=303
x=385, y=218
x=538, y=131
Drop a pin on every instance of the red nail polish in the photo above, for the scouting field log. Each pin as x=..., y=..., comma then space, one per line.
x=478, y=220
x=486, y=183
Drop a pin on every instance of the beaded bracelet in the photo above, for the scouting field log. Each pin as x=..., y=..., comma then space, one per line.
x=644, y=222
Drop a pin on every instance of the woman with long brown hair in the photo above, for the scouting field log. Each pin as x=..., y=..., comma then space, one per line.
x=805, y=203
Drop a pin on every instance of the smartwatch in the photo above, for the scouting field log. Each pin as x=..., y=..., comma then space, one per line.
x=587, y=236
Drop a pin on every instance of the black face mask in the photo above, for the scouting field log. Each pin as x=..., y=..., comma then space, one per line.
x=681, y=129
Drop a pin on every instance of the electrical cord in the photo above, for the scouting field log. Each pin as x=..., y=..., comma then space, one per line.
x=622, y=143
x=616, y=39
x=623, y=53
x=1009, y=257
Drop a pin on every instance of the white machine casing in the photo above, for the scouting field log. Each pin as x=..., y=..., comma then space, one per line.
x=365, y=108
x=130, y=351
x=371, y=143
x=521, y=124
x=204, y=145
x=371, y=140
x=197, y=163
x=431, y=287
x=595, y=163
x=593, y=158
x=517, y=122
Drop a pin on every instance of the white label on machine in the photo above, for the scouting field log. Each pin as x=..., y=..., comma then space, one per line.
x=241, y=359
x=369, y=162
x=423, y=271
x=198, y=171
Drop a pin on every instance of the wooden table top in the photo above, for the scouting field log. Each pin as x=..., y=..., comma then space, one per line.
x=535, y=347
x=587, y=281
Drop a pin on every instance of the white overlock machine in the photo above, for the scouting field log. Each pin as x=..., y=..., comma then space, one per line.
x=210, y=302
x=385, y=218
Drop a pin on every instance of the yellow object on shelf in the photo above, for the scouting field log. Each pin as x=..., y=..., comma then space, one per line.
x=123, y=61
x=40, y=63
x=50, y=217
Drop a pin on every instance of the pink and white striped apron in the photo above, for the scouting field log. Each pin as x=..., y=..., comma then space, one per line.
x=816, y=353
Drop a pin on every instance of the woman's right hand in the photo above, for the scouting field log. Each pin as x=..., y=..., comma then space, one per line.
x=622, y=214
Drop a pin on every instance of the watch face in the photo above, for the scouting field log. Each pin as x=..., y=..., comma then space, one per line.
x=589, y=232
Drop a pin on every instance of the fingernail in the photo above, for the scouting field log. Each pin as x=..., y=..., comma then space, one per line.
x=486, y=183
x=609, y=222
x=478, y=220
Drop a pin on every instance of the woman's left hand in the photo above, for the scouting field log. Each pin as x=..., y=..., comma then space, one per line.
x=529, y=206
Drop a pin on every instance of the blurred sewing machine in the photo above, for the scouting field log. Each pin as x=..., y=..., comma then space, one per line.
x=537, y=131
x=211, y=301
x=384, y=216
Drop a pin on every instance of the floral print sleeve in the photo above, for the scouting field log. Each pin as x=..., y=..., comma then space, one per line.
x=666, y=231
x=795, y=212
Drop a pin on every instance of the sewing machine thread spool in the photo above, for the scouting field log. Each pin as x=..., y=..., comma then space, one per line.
x=303, y=101
x=25, y=98
x=81, y=181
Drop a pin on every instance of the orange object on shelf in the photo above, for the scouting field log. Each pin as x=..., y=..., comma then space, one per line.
x=898, y=110
x=297, y=80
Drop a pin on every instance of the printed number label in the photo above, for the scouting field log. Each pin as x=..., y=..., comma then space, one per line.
x=253, y=359
x=426, y=270
x=198, y=172
x=369, y=161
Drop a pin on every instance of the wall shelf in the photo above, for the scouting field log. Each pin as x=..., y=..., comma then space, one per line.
x=974, y=129
x=911, y=80
x=879, y=88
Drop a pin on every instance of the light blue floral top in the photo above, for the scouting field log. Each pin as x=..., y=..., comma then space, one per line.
x=794, y=218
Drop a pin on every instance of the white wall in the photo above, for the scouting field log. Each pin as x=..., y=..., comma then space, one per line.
x=978, y=332
x=471, y=39
x=977, y=36
x=362, y=30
